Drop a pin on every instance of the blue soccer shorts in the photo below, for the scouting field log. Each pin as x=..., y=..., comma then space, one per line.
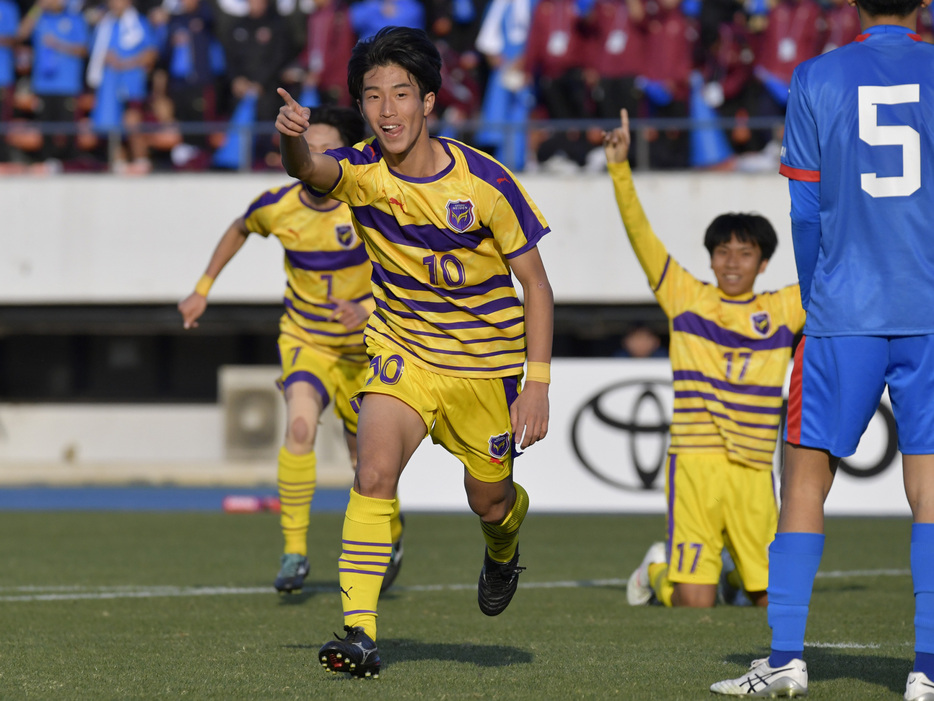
x=838, y=381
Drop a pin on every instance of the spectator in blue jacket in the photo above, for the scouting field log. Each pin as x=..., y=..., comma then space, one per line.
x=59, y=36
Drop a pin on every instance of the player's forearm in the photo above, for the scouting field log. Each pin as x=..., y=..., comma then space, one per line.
x=319, y=170
x=539, y=321
x=651, y=252
x=231, y=242
x=296, y=157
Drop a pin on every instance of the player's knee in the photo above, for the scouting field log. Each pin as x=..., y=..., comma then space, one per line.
x=491, y=507
x=694, y=596
x=374, y=483
x=758, y=598
x=300, y=434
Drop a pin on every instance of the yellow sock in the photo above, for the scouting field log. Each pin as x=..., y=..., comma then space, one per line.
x=661, y=585
x=501, y=538
x=395, y=523
x=367, y=545
x=297, y=478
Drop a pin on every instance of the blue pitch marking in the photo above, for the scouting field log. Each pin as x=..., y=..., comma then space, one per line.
x=145, y=498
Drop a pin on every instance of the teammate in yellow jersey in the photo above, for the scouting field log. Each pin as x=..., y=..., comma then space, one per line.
x=446, y=227
x=327, y=301
x=730, y=349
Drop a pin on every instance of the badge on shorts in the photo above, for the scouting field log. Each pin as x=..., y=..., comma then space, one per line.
x=499, y=447
x=761, y=323
x=460, y=215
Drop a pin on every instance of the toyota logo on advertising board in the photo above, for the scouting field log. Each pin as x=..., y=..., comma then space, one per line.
x=620, y=435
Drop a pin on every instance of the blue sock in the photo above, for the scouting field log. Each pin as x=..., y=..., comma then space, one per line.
x=922, y=574
x=924, y=662
x=793, y=562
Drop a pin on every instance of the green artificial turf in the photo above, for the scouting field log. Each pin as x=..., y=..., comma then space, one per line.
x=124, y=605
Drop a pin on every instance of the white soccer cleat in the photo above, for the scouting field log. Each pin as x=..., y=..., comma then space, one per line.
x=762, y=681
x=638, y=588
x=919, y=688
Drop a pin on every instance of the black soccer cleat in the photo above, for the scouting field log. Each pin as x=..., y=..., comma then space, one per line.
x=498, y=582
x=292, y=572
x=395, y=561
x=355, y=654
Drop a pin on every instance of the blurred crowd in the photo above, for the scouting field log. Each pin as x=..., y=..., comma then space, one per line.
x=140, y=85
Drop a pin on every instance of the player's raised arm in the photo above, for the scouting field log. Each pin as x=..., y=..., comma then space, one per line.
x=651, y=252
x=316, y=169
x=616, y=142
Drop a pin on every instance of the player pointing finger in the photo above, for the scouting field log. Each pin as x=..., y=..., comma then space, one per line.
x=293, y=118
x=616, y=142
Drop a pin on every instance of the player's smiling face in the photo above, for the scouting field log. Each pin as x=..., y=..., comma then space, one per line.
x=736, y=264
x=395, y=110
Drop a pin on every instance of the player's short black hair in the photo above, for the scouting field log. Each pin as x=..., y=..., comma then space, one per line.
x=410, y=49
x=746, y=227
x=348, y=122
x=889, y=8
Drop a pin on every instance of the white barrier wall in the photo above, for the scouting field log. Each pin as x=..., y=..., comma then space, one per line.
x=607, y=440
x=109, y=239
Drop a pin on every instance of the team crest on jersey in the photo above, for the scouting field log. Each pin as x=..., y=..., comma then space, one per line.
x=761, y=323
x=345, y=235
x=499, y=447
x=460, y=215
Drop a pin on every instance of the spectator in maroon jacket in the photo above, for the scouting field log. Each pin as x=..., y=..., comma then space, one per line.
x=461, y=94
x=615, y=46
x=795, y=32
x=842, y=24
x=666, y=77
x=553, y=63
x=322, y=65
x=729, y=87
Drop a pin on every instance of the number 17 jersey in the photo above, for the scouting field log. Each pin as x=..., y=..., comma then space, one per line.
x=860, y=123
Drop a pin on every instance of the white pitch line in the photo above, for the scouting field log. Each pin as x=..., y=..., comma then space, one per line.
x=75, y=593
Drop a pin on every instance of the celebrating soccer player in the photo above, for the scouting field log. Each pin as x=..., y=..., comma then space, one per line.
x=327, y=303
x=730, y=349
x=445, y=226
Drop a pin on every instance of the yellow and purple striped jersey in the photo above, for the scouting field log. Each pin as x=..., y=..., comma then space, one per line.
x=440, y=248
x=729, y=355
x=323, y=257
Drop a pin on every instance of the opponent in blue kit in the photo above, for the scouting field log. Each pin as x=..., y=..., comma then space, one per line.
x=858, y=148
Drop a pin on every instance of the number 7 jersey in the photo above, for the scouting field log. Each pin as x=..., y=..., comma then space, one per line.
x=860, y=124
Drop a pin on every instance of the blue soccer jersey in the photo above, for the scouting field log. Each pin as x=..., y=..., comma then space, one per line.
x=9, y=21
x=860, y=124
x=54, y=71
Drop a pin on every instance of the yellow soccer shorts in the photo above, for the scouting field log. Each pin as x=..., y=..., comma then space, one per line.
x=469, y=417
x=714, y=503
x=336, y=378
